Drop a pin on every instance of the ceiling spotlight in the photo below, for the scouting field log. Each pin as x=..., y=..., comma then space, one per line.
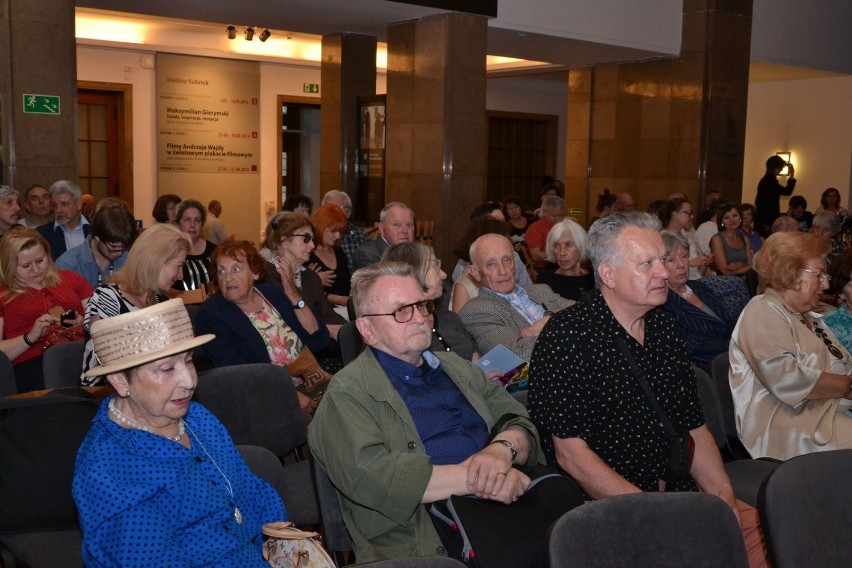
x=249, y=34
x=232, y=32
x=264, y=35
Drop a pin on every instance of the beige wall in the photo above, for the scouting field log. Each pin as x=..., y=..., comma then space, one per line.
x=812, y=118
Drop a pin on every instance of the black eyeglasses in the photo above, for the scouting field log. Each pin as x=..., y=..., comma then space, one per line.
x=306, y=237
x=403, y=314
x=832, y=348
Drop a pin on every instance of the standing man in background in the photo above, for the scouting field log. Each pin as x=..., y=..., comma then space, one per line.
x=769, y=192
x=216, y=232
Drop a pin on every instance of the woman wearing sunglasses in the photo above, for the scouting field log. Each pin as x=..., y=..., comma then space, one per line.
x=257, y=323
x=790, y=376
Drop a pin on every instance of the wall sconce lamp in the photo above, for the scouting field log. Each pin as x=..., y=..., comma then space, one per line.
x=786, y=156
x=232, y=32
x=249, y=33
x=264, y=35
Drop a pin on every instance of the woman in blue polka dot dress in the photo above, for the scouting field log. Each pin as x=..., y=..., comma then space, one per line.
x=158, y=481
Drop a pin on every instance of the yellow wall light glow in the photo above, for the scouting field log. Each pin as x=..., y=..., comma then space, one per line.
x=108, y=29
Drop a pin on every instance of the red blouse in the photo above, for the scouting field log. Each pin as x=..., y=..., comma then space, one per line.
x=20, y=313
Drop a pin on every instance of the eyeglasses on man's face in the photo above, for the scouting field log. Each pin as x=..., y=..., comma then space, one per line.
x=687, y=213
x=403, y=314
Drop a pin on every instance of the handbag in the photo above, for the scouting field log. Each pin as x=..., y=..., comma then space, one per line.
x=490, y=534
x=681, y=444
x=56, y=334
x=289, y=547
x=315, y=378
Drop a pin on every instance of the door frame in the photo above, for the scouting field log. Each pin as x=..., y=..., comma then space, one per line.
x=282, y=100
x=125, y=129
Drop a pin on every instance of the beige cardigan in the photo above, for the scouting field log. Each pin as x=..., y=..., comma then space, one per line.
x=775, y=362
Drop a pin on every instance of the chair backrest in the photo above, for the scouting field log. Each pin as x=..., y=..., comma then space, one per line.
x=649, y=529
x=720, y=367
x=350, y=341
x=293, y=483
x=335, y=535
x=709, y=397
x=418, y=562
x=63, y=364
x=8, y=383
x=257, y=403
x=806, y=510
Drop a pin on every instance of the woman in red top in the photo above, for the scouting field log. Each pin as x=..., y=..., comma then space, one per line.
x=33, y=295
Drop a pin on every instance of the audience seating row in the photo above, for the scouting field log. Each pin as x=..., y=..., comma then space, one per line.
x=803, y=503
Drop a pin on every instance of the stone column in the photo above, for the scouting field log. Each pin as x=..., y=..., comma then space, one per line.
x=436, y=123
x=669, y=125
x=38, y=56
x=348, y=71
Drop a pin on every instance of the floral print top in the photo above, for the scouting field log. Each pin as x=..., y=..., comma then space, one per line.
x=281, y=341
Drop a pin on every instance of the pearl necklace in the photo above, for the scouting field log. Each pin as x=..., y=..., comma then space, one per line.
x=134, y=425
x=687, y=292
x=238, y=515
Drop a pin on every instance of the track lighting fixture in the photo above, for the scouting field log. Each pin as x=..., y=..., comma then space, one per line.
x=264, y=35
x=232, y=32
x=249, y=33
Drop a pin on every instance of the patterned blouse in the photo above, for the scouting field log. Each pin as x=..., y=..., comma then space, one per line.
x=281, y=341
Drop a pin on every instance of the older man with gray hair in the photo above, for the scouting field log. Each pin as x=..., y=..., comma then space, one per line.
x=402, y=426
x=354, y=238
x=505, y=313
x=586, y=382
x=10, y=208
x=396, y=225
x=70, y=228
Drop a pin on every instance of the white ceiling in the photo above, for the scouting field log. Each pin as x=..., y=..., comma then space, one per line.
x=323, y=17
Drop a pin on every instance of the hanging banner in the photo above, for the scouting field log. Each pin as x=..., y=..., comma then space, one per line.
x=207, y=115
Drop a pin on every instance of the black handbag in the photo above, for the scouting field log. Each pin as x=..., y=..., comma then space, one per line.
x=490, y=534
x=681, y=444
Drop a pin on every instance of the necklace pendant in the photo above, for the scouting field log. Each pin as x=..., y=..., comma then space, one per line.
x=238, y=516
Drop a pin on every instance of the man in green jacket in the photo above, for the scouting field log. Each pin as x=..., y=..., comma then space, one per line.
x=401, y=426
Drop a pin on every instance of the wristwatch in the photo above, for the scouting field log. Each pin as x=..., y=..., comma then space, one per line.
x=299, y=305
x=509, y=445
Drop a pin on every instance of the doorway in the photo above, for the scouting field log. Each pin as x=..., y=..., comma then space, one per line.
x=521, y=151
x=299, y=168
x=104, y=140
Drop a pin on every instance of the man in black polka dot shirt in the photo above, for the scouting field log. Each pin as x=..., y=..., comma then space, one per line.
x=595, y=420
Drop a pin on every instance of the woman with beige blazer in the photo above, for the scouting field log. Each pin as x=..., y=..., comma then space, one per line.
x=790, y=376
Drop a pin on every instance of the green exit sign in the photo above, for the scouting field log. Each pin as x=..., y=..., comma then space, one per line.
x=575, y=212
x=310, y=88
x=41, y=104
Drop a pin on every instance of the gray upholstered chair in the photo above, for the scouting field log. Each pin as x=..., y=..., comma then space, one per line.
x=63, y=365
x=351, y=344
x=421, y=562
x=8, y=383
x=734, y=449
x=335, y=536
x=649, y=529
x=301, y=504
x=806, y=511
x=747, y=475
x=39, y=438
x=259, y=406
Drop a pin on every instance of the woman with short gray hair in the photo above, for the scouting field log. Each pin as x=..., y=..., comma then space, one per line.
x=566, y=247
x=699, y=313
